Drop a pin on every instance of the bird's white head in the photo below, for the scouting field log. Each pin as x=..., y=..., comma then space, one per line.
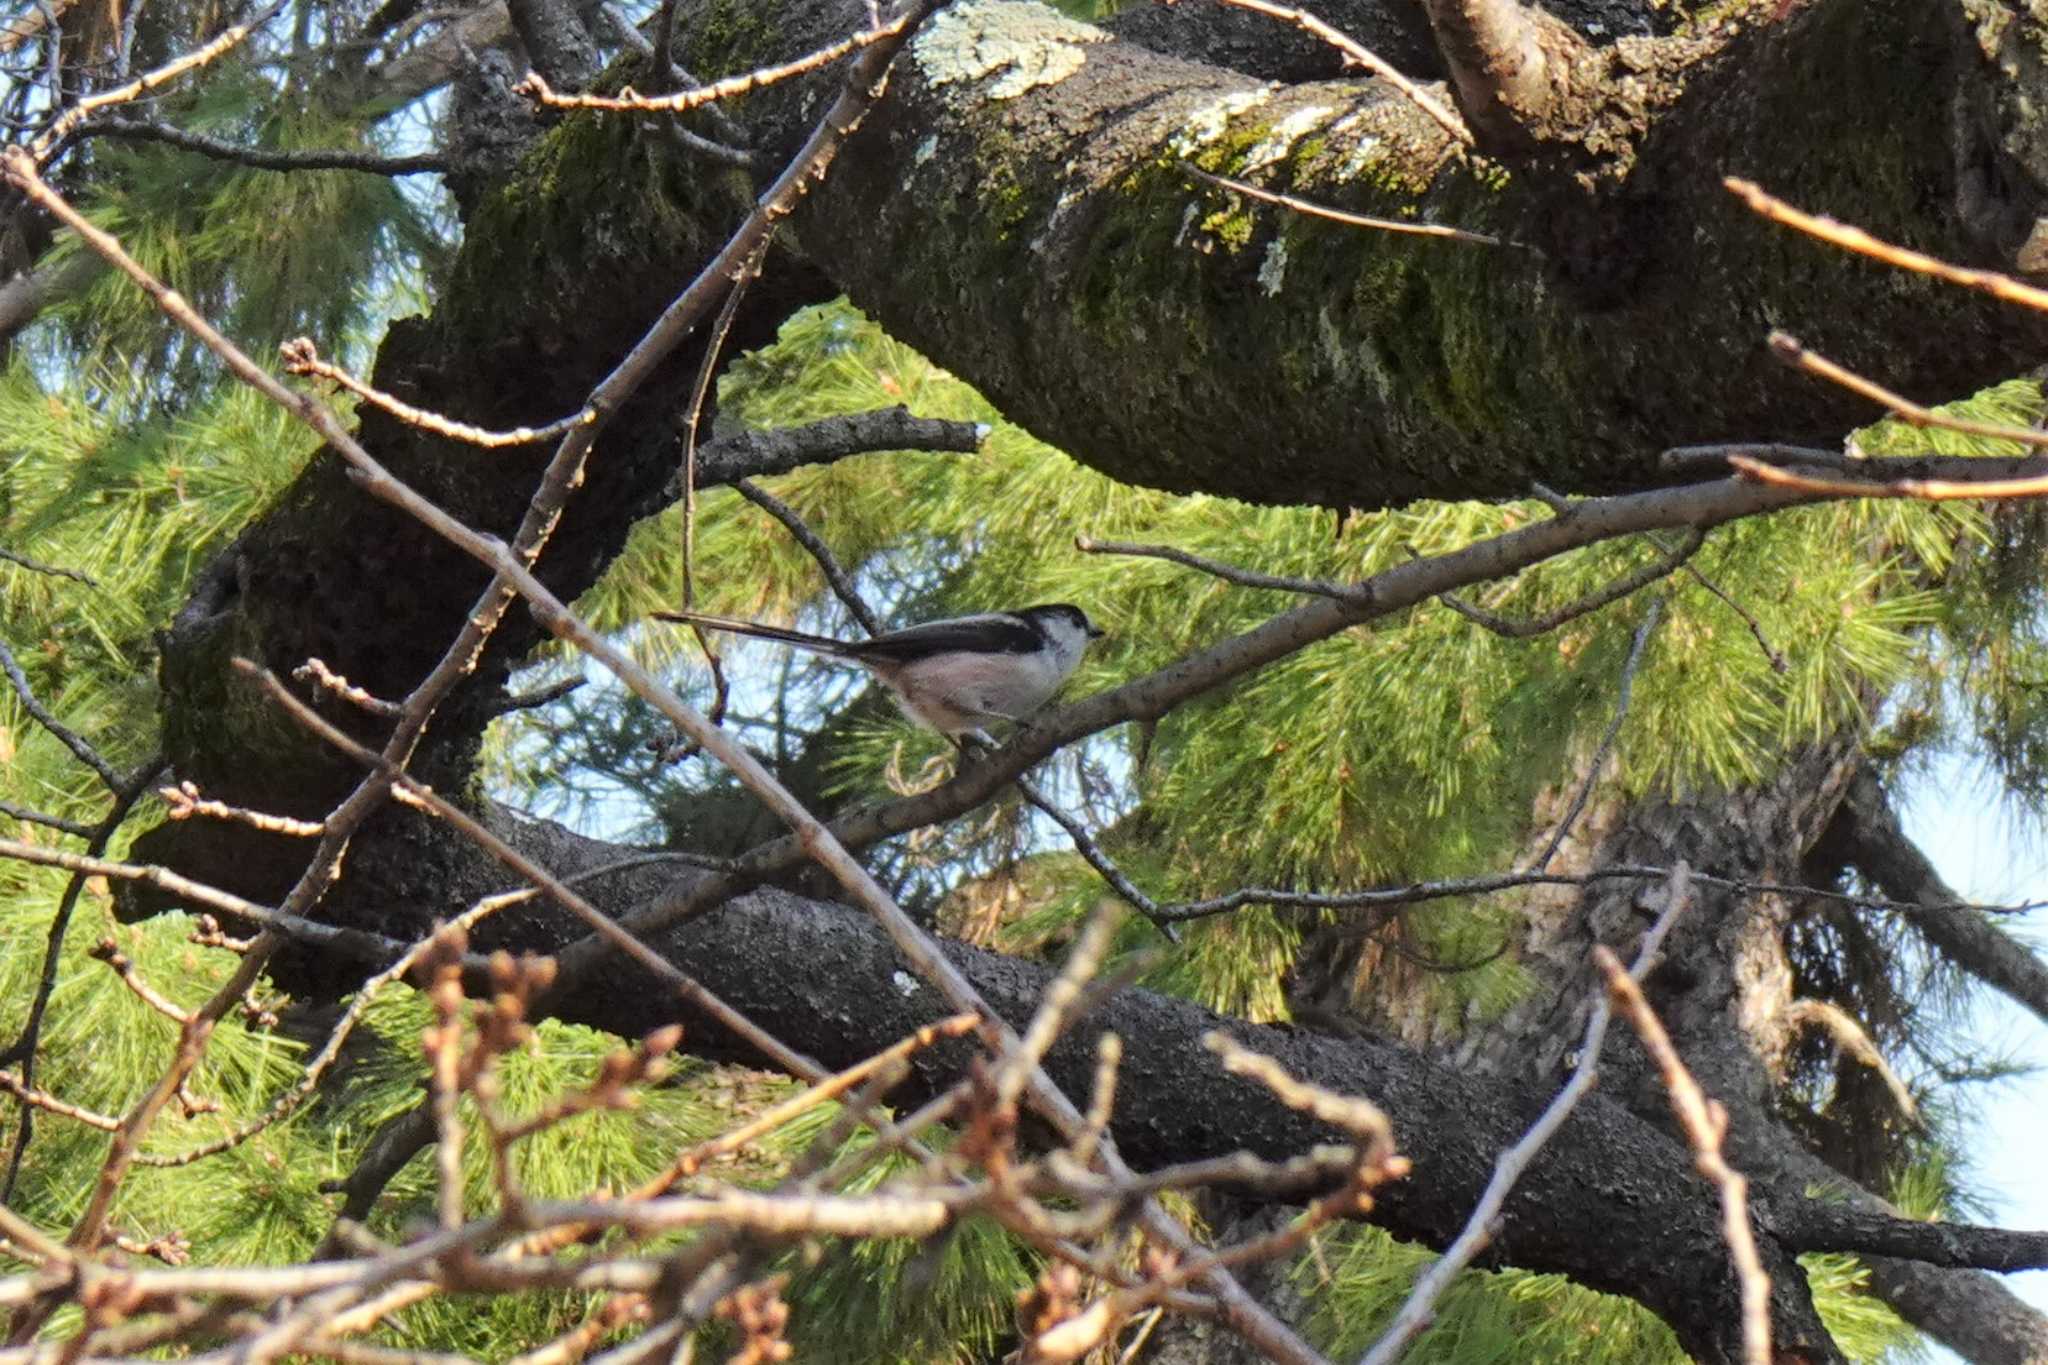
x=1066, y=630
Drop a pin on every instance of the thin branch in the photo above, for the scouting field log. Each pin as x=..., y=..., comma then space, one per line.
x=537, y=698
x=1787, y=348
x=185, y=802
x=264, y=158
x=13, y=1084
x=229, y=38
x=2002, y=287
x=1972, y=469
x=54, y=570
x=1672, y=561
x=557, y=890
x=357, y=943
x=707, y=366
x=1756, y=630
x=302, y=358
x=1229, y=573
x=318, y=673
x=1356, y=54
x=1606, y=747
x=662, y=56
x=1414, y=892
x=90, y=1229
x=1710, y=460
x=1093, y=855
x=1418, y=1309
x=75, y=828
x=39, y=713
x=1927, y=490
x=1705, y=1124
x=721, y=123
x=23, y=1049
x=107, y=951
x=835, y=573
x=627, y=101
x=1852, y=1038
x=1404, y=226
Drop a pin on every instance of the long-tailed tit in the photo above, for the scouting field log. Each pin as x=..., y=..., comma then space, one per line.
x=956, y=675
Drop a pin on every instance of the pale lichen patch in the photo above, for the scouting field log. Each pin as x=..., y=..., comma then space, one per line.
x=1212, y=120
x=1281, y=137
x=1364, y=151
x=1273, y=269
x=1022, y=46
x=1068, y=198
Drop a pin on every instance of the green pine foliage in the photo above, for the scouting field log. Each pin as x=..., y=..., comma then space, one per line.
x=1296, y=776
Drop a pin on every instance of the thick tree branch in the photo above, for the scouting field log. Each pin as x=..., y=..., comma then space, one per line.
x=807, y=972
x=1259, y=330
x=1878, y=846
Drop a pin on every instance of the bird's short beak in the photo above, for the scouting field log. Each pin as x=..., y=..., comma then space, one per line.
x=1095, y=632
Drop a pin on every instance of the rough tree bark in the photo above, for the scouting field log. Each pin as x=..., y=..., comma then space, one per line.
x=1018, y=207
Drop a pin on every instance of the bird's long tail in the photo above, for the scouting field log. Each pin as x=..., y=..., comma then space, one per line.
x=817, y=644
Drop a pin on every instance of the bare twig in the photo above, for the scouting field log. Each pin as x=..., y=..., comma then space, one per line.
x=50, y=1104
x=629, y=102
x=1705, y=1123
x=1404, y=226
x=1229, y=573
x=707, y=367
x=537, y=698
x=2003, y=287
x=67, y=123
x=301, y=358
x=1789, y=349
x=1356, y=54
x=1598, y=762
x=1092, y=854
x=1419, y=1307
x=356, y=942
x=835, y=573
x=1756, y=629
x=264, y=158
x=318, y=673
x=39, y=713
x=185, y=802
x=90, y=1229
x=75, y=828
x=107, y=951
x=1649, y=573
x=34, y=565
x=1927, y=490
x=1415, y=892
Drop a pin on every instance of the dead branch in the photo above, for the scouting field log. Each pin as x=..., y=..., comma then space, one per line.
x=1705, y=1123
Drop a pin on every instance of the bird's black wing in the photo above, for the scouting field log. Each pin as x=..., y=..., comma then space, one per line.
x=995, y=633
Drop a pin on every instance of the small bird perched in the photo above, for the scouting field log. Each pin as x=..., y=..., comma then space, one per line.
x=955, y=675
